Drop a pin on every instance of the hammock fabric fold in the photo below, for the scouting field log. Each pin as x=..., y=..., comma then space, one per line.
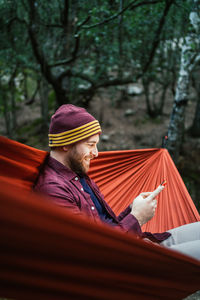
x=123, y=175
x=19, y=163
x=47, y=253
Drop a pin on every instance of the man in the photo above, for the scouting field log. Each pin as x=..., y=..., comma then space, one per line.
x=73, y=139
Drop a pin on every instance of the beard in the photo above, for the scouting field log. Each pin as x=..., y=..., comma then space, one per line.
x=75, y=162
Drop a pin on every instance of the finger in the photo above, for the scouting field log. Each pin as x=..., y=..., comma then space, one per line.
x=155, y=192
x=146, y=194
x=154, y=202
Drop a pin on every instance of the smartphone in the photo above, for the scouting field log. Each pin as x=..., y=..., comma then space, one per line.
x=158, y=189
x=164, y=183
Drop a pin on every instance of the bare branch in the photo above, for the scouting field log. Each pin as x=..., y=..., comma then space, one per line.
x=51, y=25
x=158, y=33
x=131, y=5
x=65, y=13
x=11, y=21
x=36, y=49
x=117, y=81
x=82, y=24
x=32, y=98
x=70, y=73
x=72, y=59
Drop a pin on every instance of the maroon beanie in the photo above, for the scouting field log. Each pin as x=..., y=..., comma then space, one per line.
x=71, y=124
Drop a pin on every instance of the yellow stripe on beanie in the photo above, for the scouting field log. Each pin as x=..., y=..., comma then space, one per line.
x=74, y=135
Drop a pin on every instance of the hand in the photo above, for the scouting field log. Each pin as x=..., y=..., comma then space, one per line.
x=144, y=206
x=149, y=241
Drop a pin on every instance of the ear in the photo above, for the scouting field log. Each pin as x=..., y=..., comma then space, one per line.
x=65, y=148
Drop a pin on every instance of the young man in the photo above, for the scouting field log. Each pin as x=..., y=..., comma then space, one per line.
x=73, y=139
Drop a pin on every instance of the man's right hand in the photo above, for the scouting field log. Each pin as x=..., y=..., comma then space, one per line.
x=144, y=206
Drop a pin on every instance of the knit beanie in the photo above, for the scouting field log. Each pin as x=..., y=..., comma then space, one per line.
x=71, y=124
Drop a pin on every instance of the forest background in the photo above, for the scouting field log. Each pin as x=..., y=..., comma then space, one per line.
x=132, y=64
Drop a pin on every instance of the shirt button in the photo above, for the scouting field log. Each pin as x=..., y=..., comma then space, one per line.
x=92, y=208
x=81, y=189
x=76, y=178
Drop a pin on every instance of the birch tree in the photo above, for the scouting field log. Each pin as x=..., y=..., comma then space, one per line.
x=189, y=59
x=195, y=129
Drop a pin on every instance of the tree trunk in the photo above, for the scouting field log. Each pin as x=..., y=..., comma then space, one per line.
x=176, y=126
x=13, y=119
x=195, y=129
x=6, y=113
x=188, y=61
x=44, y=89
x=56, y=82
x=120, y=39
x=154, y=98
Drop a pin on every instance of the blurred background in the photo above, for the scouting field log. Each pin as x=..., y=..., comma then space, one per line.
x=135, y=65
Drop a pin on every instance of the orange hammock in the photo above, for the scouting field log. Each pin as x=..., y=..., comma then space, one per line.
x=47, y=253
x=123, y=175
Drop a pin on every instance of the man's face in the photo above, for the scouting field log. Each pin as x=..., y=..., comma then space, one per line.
x=80, y=154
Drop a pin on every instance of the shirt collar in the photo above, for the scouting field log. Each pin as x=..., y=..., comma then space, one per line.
x=61, y=169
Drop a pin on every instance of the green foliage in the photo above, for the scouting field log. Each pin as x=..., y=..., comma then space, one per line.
x=89, y=43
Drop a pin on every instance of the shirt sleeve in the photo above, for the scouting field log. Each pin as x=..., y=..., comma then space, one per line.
x=125, y=221
x=124, y=213
x=131, y=224
x=128, y=222
x=60, y=196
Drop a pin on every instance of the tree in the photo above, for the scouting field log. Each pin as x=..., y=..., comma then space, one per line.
x=189, y=58
x=195, y=129
x=77, y=45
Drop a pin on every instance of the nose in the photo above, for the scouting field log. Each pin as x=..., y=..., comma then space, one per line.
x=95, y=151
